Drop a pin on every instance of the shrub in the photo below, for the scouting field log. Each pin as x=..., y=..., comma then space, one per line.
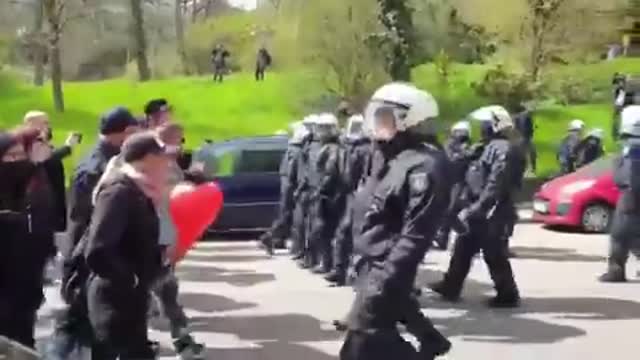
x=506, y=88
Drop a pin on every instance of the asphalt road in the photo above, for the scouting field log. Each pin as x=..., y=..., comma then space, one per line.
x=246, y=306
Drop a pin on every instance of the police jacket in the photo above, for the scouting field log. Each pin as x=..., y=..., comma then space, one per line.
x=328, y=170
x=589, y=150
x=302, y=170
x=400, y=205
x=313, y=173
x=356, y=158
x=86, y=176
x=626, y=175
x=567, y=151
x=494, y=177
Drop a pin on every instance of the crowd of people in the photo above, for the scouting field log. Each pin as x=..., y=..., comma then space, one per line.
x=220, y=56
x=119, y=236
x=361, y=206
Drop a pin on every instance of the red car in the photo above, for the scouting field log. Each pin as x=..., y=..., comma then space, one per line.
x=584, y=199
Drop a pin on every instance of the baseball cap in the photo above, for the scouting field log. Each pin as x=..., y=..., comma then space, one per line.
x=116, y=121
x=156, y=106
x=140, y=145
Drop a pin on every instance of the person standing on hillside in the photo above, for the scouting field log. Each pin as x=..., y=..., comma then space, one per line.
x=219, y=57
x=524, y=123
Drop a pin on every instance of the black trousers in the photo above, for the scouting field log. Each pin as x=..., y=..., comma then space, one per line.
x=343, y=241
x=281, y=227
x=530, y=149
x=218, y=75
x=299, y=224
x=324, y=217
x=18, y=324
x=259, y=74
x=377, y=345
x=488, y=237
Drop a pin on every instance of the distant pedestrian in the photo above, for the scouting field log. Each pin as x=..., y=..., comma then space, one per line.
x=524, y=123
x=219, y=57
x=263, y=61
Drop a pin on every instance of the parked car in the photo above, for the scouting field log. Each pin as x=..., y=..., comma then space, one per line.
x=247, y=171
x=584, y=199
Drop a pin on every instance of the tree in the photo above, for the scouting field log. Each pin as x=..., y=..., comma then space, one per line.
x=182, y=51
x=57, y=18
x=543, y=20
x=40, y=49
x=140, y=40
x=396, y=17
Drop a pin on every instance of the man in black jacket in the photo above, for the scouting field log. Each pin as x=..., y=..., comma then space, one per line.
x=122, y=252
x=72, y=327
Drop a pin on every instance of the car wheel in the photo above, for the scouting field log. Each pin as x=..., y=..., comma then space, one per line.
x=597, y=218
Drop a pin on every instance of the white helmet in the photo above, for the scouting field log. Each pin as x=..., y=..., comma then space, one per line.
x=355, y=127
x=576, y=125
x=309, y=120
x=596, y=133
x=497, y=115
x=325, y=125
x=630, y=121
x=461, y=126
x=299, y=133
x=408, y=105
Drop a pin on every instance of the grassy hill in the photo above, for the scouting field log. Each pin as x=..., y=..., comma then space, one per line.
x=240, y=106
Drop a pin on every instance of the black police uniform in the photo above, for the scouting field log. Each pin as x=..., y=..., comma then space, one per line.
x=327, y=201
x=357, y=155
x=398, y=207
x=457, y=150
x=490, y=182
x=625, y=229
x=567, y=153
x=589, y=150
x=281, y=228
x=301, y=199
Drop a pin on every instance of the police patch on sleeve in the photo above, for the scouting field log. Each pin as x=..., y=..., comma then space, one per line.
x=418, y=182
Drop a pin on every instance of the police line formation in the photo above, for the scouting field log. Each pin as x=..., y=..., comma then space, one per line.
x=362, y=208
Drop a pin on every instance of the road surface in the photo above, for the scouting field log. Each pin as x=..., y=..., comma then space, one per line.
x=246, y=306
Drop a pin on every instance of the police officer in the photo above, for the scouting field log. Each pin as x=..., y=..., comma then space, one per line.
x=590, y=148
x=625, y=229
x=281, y=228
x=72, y=326
x=457, y=149
x=398, y=207
x=327, y=200
x=567, y=152
x=301, y=194
x=490, y=181
x=357, y=150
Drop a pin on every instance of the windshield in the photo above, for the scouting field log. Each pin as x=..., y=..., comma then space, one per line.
x=598, y=167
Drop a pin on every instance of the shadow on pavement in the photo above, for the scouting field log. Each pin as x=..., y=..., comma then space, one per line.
x=285, y=327
x=476, y=322
x=242, y=278
x=227, y=258
x=211, y=303
x=554, y=254
x=268, y=350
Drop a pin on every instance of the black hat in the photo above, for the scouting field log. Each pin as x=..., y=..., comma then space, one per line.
x=156, y=106
x=116, y=121
x=139, y=145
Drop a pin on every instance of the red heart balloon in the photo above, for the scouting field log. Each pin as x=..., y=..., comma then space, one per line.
x=193, y=210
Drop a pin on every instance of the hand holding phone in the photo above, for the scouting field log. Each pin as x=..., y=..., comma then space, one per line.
x=73, y=139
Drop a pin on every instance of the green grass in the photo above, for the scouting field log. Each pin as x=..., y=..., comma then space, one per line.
x=242, y=107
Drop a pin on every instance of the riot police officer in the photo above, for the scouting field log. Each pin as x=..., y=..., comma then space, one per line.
x=301, y=194
x=357, y=150
x=457, y=149
x=590, y=148
x=281, y=228
x=396, y=213
x=327, y=199
x=625, y=229
x=567, y=152
x=490, y=182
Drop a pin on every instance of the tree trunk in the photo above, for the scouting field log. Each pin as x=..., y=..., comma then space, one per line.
x=56, y=75
x=194, y=10
x=144, y=73
x=182, y=52
x=39, y=52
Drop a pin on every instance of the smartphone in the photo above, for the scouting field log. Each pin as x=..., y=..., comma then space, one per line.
x=78, y=136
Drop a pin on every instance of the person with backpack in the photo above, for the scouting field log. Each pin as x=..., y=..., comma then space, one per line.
x=625, y=229
x=263, y=61
x=567, y=151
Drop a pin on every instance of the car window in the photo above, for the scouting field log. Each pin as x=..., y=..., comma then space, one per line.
x=259, y=161
x=598, y=167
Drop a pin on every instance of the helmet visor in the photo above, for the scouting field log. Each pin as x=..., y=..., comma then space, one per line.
x=382, y=118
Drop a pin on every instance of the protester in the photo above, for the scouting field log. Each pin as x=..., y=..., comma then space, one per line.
x=219, y=57
x=72, y=326
x=263, y=61
x=122, y=251
x=157, y=113
x=524, y=123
